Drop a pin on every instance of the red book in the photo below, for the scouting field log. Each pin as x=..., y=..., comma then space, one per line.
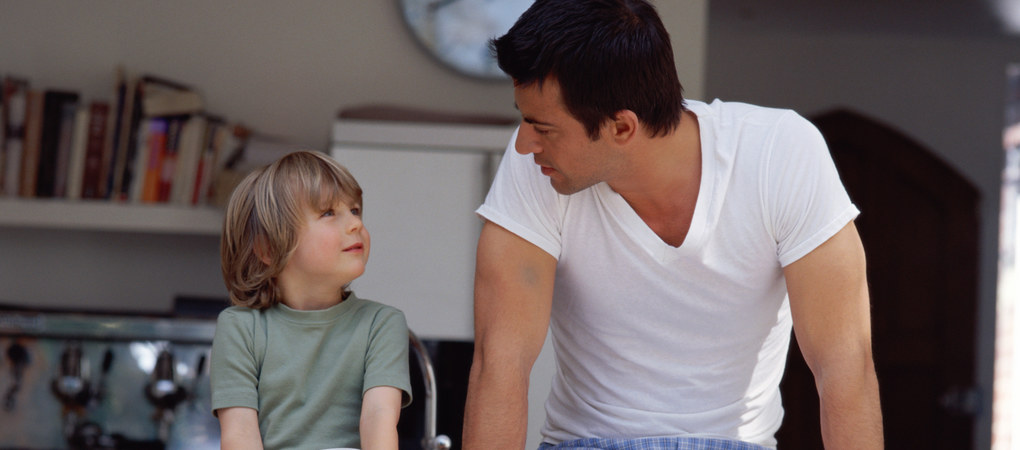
x=168, y=166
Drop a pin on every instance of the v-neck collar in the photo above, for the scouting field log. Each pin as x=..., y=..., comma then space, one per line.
x=696, y=234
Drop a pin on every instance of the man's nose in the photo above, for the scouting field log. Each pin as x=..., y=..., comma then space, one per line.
x=526, y=142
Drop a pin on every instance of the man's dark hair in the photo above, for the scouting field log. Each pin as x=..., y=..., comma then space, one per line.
x=607, y=55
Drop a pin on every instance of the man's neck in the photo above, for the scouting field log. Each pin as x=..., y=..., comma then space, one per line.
x=663, y=183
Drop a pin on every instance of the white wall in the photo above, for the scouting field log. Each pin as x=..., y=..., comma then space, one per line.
x=282, y=68
x=945, y=92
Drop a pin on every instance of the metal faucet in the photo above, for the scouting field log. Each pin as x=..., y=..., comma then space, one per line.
x=430, y=441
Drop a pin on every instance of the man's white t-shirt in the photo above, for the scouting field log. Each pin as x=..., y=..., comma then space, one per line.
x=656, y=340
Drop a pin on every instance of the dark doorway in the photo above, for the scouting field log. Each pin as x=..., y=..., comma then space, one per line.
x=919, y=224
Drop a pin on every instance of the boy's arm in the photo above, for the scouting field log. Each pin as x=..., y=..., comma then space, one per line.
x=239, y=429
x=832, y=320
x=380, y=411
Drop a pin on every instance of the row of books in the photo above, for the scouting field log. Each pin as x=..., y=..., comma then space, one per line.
x=153, y=143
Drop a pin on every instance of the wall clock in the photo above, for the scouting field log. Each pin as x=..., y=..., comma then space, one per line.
x=457, y=32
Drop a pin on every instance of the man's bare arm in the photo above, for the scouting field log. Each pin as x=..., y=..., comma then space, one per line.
x=513, y=299
x=832, y=320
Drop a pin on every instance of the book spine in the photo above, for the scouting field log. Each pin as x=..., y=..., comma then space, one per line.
x=139, y=163
x=92, y=179
x=168, y=166
x=189, y=153
x=30, y=152
x=157, y=148
x=131, y=175
x=65, y=134
x=49, y=141
x=79, y=144
x=115, y=159
x=15, y=93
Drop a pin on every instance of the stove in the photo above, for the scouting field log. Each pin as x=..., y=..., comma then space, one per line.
x=93, y=381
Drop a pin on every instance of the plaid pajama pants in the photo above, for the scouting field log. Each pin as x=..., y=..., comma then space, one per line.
x=652, y=443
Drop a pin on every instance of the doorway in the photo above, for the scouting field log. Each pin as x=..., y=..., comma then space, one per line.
x=919, y=225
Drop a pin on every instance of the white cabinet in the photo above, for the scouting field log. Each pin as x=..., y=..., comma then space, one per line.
x=422, y=183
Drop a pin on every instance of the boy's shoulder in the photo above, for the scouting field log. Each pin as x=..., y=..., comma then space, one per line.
x=237, y=313
x=239, y=317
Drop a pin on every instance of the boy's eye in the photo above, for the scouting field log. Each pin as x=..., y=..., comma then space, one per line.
x=356, y=211
x=328, y=213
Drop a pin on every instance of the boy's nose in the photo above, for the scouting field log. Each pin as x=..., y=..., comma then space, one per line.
x=354, y=224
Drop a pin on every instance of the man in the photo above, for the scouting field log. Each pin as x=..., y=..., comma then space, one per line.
x=669, y=245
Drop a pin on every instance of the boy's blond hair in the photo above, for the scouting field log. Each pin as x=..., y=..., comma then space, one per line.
x=264, y=216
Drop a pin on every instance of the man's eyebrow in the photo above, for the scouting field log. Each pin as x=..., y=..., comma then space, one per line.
x=531, y=120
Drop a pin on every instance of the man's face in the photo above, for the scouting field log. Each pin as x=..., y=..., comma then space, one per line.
x=559, y=143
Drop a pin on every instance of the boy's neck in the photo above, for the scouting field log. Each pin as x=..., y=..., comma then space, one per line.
x=311, y=301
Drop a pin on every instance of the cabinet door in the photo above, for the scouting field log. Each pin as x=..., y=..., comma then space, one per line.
x=419, y=209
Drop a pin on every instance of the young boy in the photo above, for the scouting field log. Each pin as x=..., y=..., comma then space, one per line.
x=299, y=361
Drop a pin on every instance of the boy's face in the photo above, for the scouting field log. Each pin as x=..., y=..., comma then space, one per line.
x=332, y=249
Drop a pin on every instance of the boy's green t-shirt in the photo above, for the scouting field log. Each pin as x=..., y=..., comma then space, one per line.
x=305, y=372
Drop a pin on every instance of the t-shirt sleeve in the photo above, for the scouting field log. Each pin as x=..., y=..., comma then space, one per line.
x=233, y=366
x=522, y=201
x=386, y=363
x=805, y=199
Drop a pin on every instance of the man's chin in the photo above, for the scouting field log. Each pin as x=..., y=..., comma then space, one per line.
x=565, y=189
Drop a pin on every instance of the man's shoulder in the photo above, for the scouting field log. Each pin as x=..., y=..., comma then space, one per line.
x=733, y=112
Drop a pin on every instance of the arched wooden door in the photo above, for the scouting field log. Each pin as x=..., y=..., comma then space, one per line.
x=919, y=225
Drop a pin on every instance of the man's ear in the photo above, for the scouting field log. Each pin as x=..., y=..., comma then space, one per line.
x=624, y=126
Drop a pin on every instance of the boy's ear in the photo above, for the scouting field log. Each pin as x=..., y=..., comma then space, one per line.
x=262, y=251
x=624, y=126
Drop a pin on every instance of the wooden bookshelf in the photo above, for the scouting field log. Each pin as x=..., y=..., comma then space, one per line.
x=101, y=215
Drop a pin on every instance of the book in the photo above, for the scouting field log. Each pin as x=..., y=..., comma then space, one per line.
x=163, y=97
x=93, y=179
x=15, y=92
x=168, y=164
x=227, y=171
x=156, y=142
x=134, y=184
x=49, y=141
x=215, y=130
x=79, y=144
x=3, y=135
x=119, y=168
x=30, y=150
x=65, y=134
x=189, y=154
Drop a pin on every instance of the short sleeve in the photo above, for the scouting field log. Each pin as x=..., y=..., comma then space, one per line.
x=233, y=366
x=805, y=198
x=386, y=363
x=523, y=201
